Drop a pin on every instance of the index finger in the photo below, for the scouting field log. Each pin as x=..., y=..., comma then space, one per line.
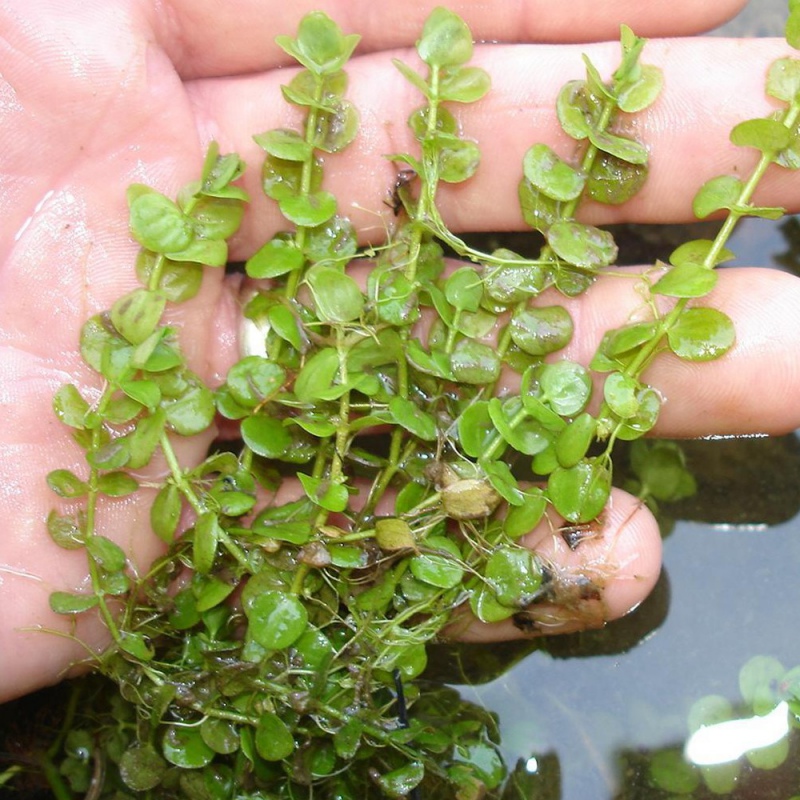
x=208, y=38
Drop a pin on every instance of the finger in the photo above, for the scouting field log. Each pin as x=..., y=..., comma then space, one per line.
x=753, y=388
x=591, y=576
x=207, y=38
x=710, y=86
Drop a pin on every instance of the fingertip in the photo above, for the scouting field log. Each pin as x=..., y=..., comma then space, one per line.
x=594, y=573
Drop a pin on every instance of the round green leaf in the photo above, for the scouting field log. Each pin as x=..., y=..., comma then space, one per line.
x=783, y=79
x=254, y=379
x=580, y=493
x=463, y=289
x=66, y=484
x=413, y=418
x=582, y=245
x=446, y=40
x=265, y=436
x=309, y=210
x=108, y=555
x=464, y=85
x=701, y=334
x=686, y=280
x=514, y=575
x=156, y=222
x=141, y=768
x=185, y=748
x=523, y=518
x=541, y=330
x=767, y=135
x=276, y=620
x=337, y=296
x=165, y=512
x=565, y=386
x=578, y=110
x=137, y=314
x=191, y=413
x=334, y=240
x=336, y=128
x=613, y=181
x=621, y=393
x=620, y=147
x=639, y=93
x=320, y=45
x=207, y=533
x=721, y=192
x=442, y=571
x=331, y=496
x=70, y=407
x=277, y=257
x=550, y=175
x=220, y=735
x=458, y=158
x=474, y=362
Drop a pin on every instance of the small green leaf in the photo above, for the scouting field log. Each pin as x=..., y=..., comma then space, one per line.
x=276, y=619
x=207, y=533
x=320, y=45
x=582, y=245
x=143, y=440
x=687, y=280
x=474, y=362
x=191, y=413
x=70, y=407
x=254, y=380
x=141, y=768
x=565, y=386
x=165, y=513
x=137, y=314
x=464, y=84
x=413, y=418
x=701, y=334
x=317, y=375
x=446, y=40
x=337, y=296
x=332, y=497
x=336, y=127
x=458, y=158
x=759, y=679
x=574, y=441
x=550, y=175
x=400, y=782
x=580, y=493
x=266, y=436
x=464, y=289
x=613, y=181
x=636, y=94
x=117, y=484
x=414, y=78
x=578, y=110
x=783, y=79
x=156, y=222
x=541, y=330
x=621, y=147
x=285, y=144
x=721, y=192
x=309, y=210
x=766, y=135
x=523, y=518
x=514, y=575
x=697, y=251
x=334, y=240
x=66, y=484
x=185, y=748
x=67, y=603
x=621, y=393
x=443, y=571
x=66, y=532
x=475, y=428
x=278, y=256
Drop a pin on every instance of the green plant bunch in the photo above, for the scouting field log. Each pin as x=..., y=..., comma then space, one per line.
x=271, y=652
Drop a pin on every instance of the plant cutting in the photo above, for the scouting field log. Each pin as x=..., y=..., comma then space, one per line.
x=375, y=502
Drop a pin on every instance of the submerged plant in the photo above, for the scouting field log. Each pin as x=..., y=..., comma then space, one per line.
x=272, y=651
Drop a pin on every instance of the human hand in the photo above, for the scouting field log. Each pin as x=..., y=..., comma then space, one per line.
x=106, y=94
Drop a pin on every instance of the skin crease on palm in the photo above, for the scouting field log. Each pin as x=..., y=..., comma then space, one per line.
x=97, y=95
